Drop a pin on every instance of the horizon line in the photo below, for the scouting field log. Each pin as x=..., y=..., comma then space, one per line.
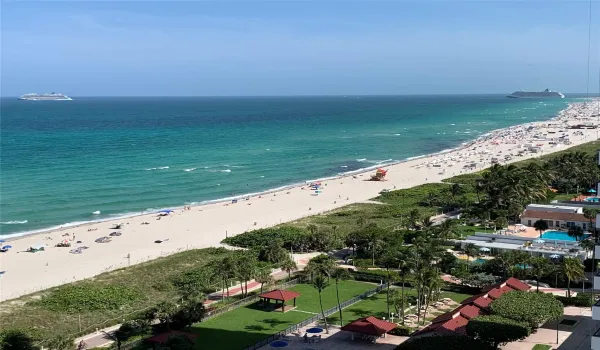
x=301, y=95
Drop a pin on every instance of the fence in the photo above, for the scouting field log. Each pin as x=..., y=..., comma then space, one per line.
x=247, y=300
x=315, y=318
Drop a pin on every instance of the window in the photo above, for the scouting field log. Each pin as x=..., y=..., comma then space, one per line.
x=584, y=226
x=549, y=222
x=557, y=224
x=570, y=224
x=528, y=222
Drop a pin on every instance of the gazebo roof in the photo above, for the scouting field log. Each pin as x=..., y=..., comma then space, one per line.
x=279, y=294
x=163, y=337
x=369, y=325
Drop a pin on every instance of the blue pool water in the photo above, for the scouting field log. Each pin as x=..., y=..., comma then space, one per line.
x=558, y=235
x=593, y=199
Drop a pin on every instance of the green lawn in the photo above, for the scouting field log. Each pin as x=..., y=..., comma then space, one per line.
x=541, y=347
x=246, y=325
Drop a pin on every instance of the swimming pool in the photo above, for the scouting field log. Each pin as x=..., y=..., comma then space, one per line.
x=592, y=199
x=559, y=236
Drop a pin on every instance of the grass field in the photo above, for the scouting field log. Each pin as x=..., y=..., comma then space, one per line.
x=541, y=347
x=244, y=326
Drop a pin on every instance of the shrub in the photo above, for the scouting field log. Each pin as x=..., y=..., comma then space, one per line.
x=291, y=237
x=497, y=330
x=446, y=342
x=89, y=297
x=581, y=299
x=530, y=307
x=16, y=339
x=362, y=262
x=402, y=331
x=479, y=280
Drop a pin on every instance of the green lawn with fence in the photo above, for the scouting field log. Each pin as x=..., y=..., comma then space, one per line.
x=248, y=324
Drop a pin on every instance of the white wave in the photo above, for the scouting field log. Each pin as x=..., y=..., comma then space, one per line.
x=361, y=159
x=262, y=176
x=343, y=166
x=190, y=169
x=226, y=171
x=453, y=124
x=15, y=222
x=397, y=134
x=158, y=168
x=97, y=212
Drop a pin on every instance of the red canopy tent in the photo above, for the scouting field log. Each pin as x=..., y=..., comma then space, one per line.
x=280, y=295
x=369, y=326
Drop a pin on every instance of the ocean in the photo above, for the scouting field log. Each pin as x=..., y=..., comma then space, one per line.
x=69, y=162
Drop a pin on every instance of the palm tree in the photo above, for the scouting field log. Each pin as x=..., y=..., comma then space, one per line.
x=320, y=283
x=340, y=275
x=455, y=190
x=470, y=250
x=540, y=266
x=540, y=225
x=264, y=278
x=590, y=214
x=403, y=271
x=573, y=270
x=245, y=269
x=575, y=231
x=289, y=265
x=588, y=245
x=448, y=229
x=165, y=311
x=433, y=284
x=225, y=270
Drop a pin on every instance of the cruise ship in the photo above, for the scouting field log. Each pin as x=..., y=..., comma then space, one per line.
x=45, y=97
x=526, y=94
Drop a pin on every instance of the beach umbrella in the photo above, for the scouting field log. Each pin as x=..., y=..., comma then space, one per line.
x=7, y=247
x=554, y=256
x=2, y=241
x=168, y=210
x=591, y=190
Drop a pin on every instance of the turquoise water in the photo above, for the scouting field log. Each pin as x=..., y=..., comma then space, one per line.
x=592, y=199
x=64, y=161
x=558, y=235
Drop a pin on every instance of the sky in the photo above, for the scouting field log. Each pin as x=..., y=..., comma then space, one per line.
x=325, y=47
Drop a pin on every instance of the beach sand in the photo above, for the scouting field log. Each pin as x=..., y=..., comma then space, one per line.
x=205, y=226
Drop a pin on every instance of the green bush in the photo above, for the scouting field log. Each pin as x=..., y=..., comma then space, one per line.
x=402, y=331
x=445, y=342
x=89, y=297
x=581, y=299
x=289, y=235
x=362, y=263
x=497, y=330
x=529, y=307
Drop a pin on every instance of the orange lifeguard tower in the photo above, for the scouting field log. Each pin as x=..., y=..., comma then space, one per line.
x=379, y=175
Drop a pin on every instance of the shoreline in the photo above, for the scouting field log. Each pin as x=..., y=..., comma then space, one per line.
x=206, y=224
x=77, y=224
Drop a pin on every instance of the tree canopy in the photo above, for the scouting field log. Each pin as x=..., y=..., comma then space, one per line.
x=446, y=342
x=497, y=330
x=529, y=307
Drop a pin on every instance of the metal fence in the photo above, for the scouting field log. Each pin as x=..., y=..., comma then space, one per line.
x=315, y=318
x=248, y=300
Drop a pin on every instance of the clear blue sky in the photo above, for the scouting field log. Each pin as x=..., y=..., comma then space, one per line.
x=296, y=47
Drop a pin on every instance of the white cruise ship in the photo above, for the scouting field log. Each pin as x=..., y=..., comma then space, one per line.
x=45, y=97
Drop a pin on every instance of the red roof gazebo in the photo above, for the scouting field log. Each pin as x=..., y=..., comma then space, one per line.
x=369, y=326
x=280, y=295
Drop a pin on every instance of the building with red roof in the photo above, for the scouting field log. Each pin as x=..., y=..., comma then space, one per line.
x=369, y=326
x=455, y=321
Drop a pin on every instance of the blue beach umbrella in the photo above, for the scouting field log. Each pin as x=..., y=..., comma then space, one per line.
x=7, y=247
x=166, y=211
x=2, y=241
x=591, y=190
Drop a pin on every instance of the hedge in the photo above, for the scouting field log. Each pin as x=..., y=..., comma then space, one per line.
x=581, y=299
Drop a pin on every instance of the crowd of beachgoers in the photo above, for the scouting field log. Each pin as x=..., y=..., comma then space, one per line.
x=52, y=258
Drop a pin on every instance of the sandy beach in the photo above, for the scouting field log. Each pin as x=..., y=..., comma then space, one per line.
x=206, y=225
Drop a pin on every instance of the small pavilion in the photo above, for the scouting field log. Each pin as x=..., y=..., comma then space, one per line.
x=369, y=326
x=279, y=295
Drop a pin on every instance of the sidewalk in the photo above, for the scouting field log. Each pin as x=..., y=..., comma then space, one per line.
x=100, y=339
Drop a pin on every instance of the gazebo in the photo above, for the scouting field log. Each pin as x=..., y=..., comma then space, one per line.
x=369, y=326
x=279, y=295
